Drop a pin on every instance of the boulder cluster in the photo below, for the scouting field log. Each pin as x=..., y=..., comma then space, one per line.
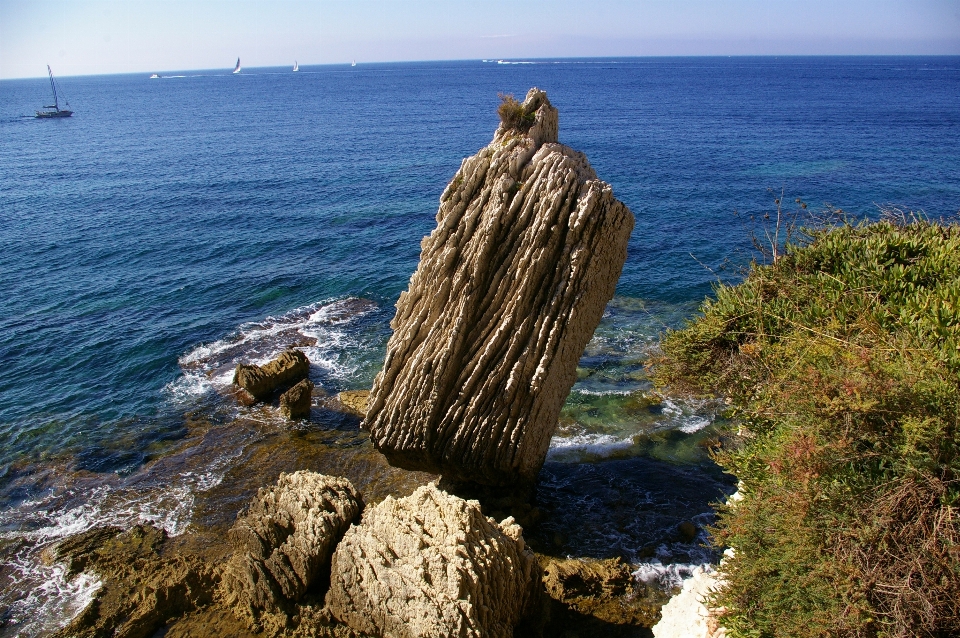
x=287, y=374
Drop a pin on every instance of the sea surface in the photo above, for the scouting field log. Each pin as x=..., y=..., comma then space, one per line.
x=176, y=226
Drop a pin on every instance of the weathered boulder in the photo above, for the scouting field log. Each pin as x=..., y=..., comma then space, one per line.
x=511, y=284
x=432, y=565
x=284, y=540
x=295, y=402
x=261, y=381
x=603, y=589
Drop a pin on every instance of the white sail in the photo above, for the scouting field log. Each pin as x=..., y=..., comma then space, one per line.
x=296, y=67
x=237, y=68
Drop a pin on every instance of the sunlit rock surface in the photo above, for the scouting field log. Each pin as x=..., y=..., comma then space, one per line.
x=511, y=284
x=432, y=565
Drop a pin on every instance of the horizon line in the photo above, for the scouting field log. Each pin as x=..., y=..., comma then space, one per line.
x=520, y=58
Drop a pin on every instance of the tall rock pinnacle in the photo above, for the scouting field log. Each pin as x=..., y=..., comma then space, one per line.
x=513, y=281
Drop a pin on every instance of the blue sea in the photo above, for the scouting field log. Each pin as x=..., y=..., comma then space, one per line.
x=176, y=226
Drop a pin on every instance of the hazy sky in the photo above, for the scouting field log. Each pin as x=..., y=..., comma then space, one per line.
x=81, y=37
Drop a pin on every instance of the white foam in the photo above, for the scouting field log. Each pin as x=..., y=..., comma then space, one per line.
x=670, y=576
x=686, y=416
x=209, y=367
x=578, y=446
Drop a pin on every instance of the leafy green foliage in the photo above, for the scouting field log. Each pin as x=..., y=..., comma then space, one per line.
x=842, y=363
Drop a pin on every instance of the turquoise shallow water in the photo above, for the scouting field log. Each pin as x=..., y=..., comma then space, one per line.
x=173, y=227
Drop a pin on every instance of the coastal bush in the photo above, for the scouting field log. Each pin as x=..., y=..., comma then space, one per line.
x=841, y=364
x=513, y=115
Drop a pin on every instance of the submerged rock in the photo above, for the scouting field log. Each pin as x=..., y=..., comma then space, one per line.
x=284, y=542
x=511, y=284
x=295, y=402
x=432, y=565
x=262, y=381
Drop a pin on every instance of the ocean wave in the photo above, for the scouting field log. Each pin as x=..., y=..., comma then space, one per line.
x=324, y=331
x=567, y=448
x=667, y=576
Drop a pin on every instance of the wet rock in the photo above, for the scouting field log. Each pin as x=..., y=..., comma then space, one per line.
x=295, y=402
x=603, y=589
x=76, y=552
x=432, y=565
x=262, y=381
x=355, y=401
x=511, y=284
x=283, y=544
x=141, y=591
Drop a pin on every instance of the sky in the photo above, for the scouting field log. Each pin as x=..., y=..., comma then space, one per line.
x=84, y=37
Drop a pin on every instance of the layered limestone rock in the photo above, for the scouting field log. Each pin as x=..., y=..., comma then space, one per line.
x=432, y=565
x=511, y=284
x=262, y=381
x=284, y=541
x=295, y=402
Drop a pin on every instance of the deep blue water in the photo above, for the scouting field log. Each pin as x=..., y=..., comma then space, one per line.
x=168, y=215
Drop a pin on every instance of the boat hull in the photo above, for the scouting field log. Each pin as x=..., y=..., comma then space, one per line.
x=49, y=114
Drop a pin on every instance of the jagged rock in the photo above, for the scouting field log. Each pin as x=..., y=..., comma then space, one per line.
x=432, y=565
x=261, y=381
x=283, y=543
x=79, y=550
x=355, y=401
x=511, y=284
x=140, y=590
x=295, y=402
x=601, y=589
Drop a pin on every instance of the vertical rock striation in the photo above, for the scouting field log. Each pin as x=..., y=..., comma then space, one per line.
x=511, y=284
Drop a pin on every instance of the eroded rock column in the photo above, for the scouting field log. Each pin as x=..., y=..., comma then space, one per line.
x=511, y=284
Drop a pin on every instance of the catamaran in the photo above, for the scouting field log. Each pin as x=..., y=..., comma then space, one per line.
x=57, y=92
x=236, y=69
x=296, y=67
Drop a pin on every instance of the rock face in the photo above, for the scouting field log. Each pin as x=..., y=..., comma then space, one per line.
x=511, y=284
x=295, y=402
x=261, y=381
x=432, y=565
x=284, y=540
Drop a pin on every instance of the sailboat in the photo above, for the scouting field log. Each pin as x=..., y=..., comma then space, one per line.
x=236, y=69
x=57, y=111
x=354, y=63
x=296, y=67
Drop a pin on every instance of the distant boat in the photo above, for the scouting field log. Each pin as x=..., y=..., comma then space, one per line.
x=296, y=67
x=236, y=69
x=57, y=93
x=354, y=63
x=154, y=77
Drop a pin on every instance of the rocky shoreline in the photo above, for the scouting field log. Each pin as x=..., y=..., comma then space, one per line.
x=511, y=285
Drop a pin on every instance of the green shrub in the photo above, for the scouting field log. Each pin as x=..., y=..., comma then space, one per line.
x=513, y=115
x=842, y=363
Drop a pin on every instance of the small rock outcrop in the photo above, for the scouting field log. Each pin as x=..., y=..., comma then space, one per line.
x=432, y=565
x=283, y=543
x=602, y=589
x=511, y=284
x=141, y=591
x=354, y=401
x=262, y=381
x=295, y=402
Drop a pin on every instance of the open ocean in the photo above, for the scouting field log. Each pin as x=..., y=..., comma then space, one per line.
x=173, y=227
